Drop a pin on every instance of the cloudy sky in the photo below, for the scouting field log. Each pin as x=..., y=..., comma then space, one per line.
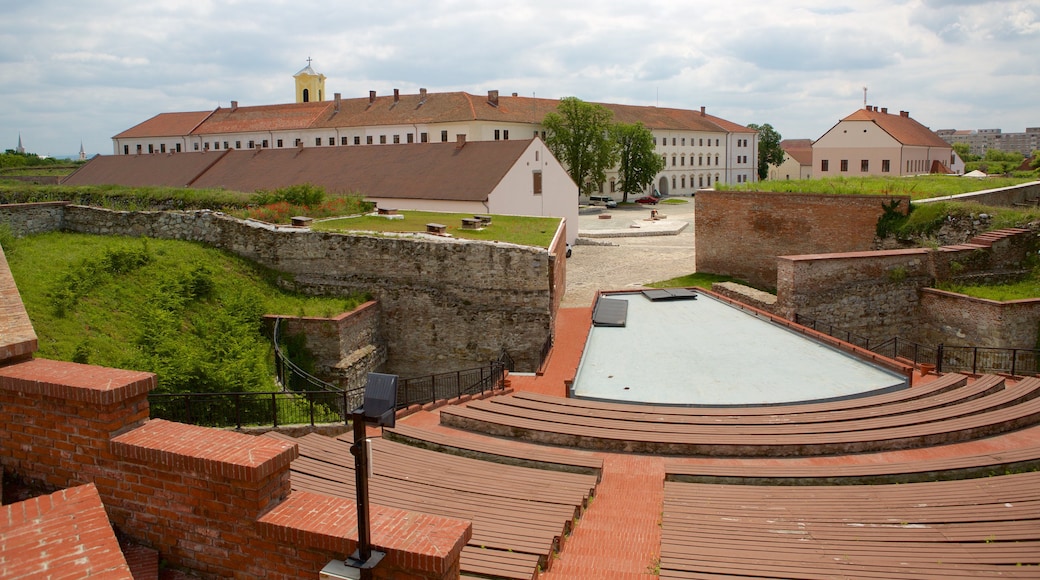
x=74, y=72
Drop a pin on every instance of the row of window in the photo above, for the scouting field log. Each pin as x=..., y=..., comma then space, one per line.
x=864, y=165
x=500, y=134
x=702, y=181
x=700, y=160
x=675, y=142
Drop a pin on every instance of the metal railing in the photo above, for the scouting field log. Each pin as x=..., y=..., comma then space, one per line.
x=973, y=359
x=316, y=406
x=291, y=376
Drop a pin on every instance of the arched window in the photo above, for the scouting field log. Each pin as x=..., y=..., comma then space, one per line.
x=306, y=95
x=700, y=160
x=716, y=161
x=684, y=182
x=700, y=181
x=673, y=182
x=709, y=180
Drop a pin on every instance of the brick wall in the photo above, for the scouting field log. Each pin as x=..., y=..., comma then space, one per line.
x=17, y=336
x=215, y=502
x=959, y=320
x=740, y=234
x=446, y=304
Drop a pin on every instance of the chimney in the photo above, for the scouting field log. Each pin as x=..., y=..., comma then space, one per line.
x=460, y=141
x=371, y=96
x=493, y=98
x=904, y=114
x=234, y=105
x=702, y=111
x=422, y=95
x=338, y=97
x=884, y=110
x=397, y=95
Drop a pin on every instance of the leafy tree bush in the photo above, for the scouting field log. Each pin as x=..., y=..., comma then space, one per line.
x=304, y=194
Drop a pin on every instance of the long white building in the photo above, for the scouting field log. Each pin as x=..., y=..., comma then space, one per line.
x=699, y=149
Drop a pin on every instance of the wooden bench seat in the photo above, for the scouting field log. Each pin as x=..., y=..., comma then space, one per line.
x=1015, y=410
x=979, y=528
x=520, y=516
x=508, y=452
x=952, y=403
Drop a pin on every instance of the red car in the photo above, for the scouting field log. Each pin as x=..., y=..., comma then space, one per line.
x=647, y=199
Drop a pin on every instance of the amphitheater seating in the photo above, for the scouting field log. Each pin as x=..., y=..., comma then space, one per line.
x=978, y=409
x=499, y=451
x=520, y=515
x=978, y=528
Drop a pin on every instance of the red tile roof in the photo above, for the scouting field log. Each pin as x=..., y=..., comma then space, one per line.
x=65, y=534
x=901, y=127
x=412, y=109
x=799, y=149
x=166, y=124
x=438, y=171
x=146, y=170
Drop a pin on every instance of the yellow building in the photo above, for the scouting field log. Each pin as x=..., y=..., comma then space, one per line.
x=310, y=86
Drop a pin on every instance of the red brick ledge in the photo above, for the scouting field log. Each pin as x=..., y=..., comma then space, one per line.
x=412, y=541
x=180, y=447
x=17, y=336
x=75, y=382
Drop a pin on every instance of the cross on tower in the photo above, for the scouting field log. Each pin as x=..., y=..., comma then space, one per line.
x=308, y=61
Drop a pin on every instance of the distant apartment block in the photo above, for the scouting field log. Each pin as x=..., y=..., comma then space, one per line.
x=981, y=140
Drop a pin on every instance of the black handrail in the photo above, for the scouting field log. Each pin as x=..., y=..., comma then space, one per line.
x=976, y=359
x=285, y=369
x=316, y=406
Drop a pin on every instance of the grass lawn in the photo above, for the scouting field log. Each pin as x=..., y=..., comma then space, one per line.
x=189, y=313
x=700, y=280
x=526, y=231
x=918, y=187
x=1021, y=290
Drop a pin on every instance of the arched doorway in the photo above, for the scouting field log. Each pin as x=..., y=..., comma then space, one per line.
x=662, y=185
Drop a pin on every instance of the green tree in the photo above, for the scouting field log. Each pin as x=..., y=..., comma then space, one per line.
x=769, y=150
x=579, y=135
x=1035, y=162
x=964, y=152
x=638, y=163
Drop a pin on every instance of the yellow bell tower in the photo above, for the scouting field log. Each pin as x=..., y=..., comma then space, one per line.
x=310, y=86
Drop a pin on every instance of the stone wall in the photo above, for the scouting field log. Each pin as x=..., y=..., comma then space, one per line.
x=33, y=218
x=446, y=303
x=346, y=347
x=881, y=294
x=740, y=234
x=959, y=320
x=872, y=294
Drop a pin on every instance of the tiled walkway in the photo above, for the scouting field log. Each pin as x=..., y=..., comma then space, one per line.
x=618, y=537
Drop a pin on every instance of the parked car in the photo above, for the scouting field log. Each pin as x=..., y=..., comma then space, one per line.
x=648, y=199
x=602, y=199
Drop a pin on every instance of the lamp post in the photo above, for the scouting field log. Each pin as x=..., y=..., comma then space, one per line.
x=379, y=408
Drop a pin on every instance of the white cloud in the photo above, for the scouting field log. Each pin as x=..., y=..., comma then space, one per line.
x=86, y=71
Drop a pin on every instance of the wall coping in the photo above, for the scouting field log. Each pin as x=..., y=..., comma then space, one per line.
x=881, y=196
x=337, y=318
x=855, y=255
x=17, y=335
x=75, y=382
x=419, y=541
x=973, y=194
x=947, y=293
x=181, y=447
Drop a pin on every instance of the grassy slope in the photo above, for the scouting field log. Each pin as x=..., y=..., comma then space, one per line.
x=527, y=231
x=133, y=319
x=919, y=187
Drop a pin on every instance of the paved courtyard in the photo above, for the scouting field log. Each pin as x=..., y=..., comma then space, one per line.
x=619, y=263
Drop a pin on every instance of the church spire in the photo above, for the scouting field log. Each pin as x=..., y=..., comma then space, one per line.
x=20, y=149
x=310, y=85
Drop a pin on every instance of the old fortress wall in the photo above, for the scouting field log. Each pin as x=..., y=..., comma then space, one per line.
x=444, y=303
